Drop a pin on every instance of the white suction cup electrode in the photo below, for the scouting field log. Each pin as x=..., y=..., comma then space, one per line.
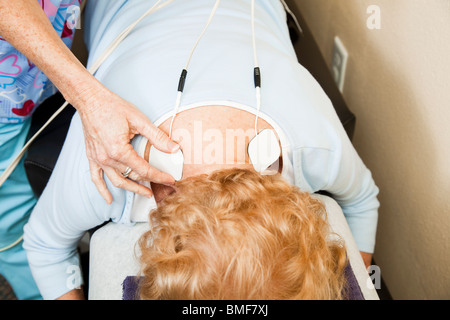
x=264, y=150
x=171, y=163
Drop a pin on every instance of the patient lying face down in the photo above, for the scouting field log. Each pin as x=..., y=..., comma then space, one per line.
x=237, y=234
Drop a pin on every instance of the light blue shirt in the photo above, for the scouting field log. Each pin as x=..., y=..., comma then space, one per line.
x=145, y=69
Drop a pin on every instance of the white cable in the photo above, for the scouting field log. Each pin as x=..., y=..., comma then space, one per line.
x=105, y=54
x=178, y=99
x=255, y=58
x=19, y=156
x=213, y=12
x=12, y=244
x=124, y=34
x=175, y=111
x=255, y=55
x=258, y=104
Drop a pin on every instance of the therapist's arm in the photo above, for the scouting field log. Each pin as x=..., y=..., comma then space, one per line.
x=367, y=258
x=109, y=122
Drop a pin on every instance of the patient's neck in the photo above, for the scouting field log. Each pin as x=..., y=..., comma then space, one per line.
x=214, y=137
x=211, y=138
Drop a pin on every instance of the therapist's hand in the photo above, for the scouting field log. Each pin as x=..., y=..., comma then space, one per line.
x=109, y=123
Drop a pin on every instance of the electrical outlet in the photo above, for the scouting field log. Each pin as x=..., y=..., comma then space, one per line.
x=339, y=63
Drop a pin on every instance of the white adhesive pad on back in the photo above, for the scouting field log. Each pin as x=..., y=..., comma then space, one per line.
x=264, y=150
x=171, y=163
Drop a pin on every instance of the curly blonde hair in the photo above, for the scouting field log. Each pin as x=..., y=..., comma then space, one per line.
x=235, y=235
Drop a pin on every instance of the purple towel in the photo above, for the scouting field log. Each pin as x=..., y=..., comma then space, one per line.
x=353, y=292
x=130, y=288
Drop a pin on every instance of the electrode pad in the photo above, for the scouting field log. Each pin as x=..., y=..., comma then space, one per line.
x=264, y=150
x=171, y=163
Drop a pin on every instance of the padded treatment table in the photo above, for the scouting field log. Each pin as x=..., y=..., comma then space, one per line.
x=114, y=255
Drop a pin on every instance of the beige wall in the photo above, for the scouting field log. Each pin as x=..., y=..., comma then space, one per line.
x=398, y=86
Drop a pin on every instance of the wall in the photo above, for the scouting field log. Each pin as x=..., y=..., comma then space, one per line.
x=398, y=86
